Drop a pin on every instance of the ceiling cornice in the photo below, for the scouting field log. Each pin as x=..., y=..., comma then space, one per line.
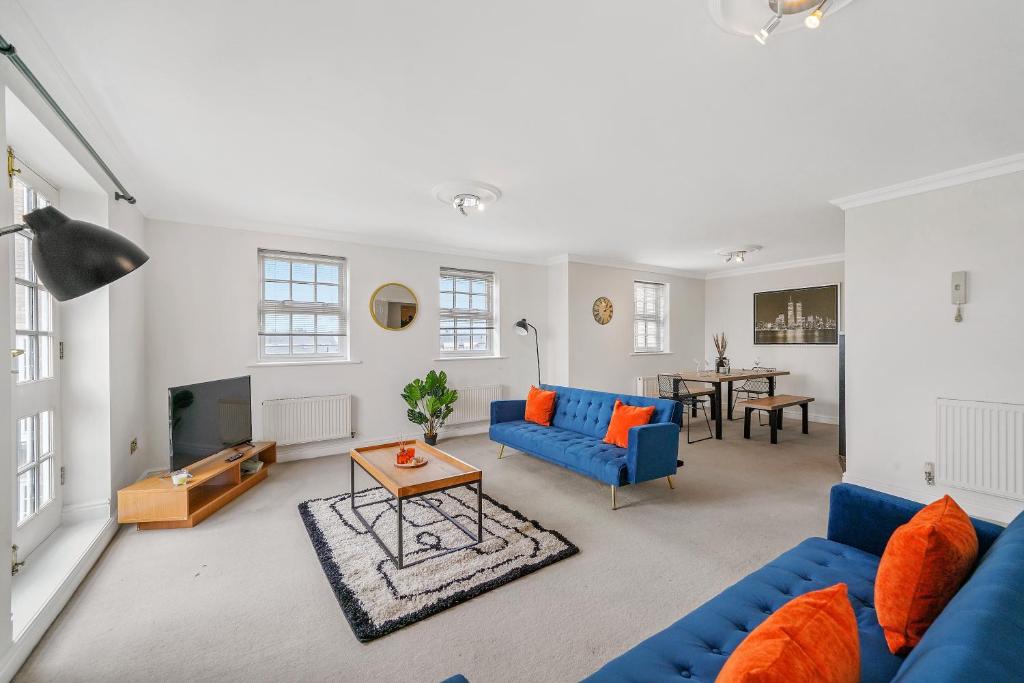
x=958, y=176
x=769, y=267
x=625, y=265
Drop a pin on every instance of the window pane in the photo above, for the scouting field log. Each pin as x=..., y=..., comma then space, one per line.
x=28, y=364
x=302, y=292
x=447, y=342
x=303, y=345
x=303, y=272
x=478, y=303
x=45, y=433
x=303, y=322
x=24, y=318
x=479, y=287
x=447, y=284
x=277, y=323
x=276, y=291
x=44, y=310
x=326, y=272
x=479, y=342
x=327, y=294
x=45, y=357
x=45, y=481
x=26, y=440
x=26, y=495
x=462, y=301
x=462, y=342
x=23, y=256
x=276, y=346
x=274, y=269
x=462, y=285
x=327, y=344
x=328, y=324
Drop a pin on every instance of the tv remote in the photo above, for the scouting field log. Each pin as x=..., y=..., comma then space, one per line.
x=236, y=456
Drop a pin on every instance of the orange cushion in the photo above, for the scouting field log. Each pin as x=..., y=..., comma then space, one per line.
x=923, y=566
x=623, y=419
x=540, y=406
x=812, y=638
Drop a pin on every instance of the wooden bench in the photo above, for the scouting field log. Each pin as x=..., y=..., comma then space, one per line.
x=774, y=405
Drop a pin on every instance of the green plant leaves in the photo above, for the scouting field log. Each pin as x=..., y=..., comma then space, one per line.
x=430, y=401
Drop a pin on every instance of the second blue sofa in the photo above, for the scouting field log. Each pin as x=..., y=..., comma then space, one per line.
x=575, y=439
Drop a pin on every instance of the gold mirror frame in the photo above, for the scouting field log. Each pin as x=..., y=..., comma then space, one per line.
x=415, y=300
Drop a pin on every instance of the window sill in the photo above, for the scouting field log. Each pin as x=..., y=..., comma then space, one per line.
x=447, y=358
x=297, y=363
x=651, y=353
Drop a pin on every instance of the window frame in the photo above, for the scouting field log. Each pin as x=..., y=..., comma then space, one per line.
x=31, y=364
x=35, y=465
x=292, y=307
x=478, y=319
x=659, y=318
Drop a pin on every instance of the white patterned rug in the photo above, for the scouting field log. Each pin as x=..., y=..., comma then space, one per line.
x=378, y=598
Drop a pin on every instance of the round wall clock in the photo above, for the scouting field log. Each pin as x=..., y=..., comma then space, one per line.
x=603, y=310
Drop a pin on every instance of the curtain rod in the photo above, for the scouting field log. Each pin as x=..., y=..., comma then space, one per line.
x=12, y=54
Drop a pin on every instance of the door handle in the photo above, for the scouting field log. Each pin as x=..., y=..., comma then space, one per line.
x=14, y=354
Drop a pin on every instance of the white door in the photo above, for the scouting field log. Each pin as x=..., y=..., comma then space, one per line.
x=35, y=373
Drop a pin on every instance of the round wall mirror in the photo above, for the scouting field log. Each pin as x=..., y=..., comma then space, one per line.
x=393, y=306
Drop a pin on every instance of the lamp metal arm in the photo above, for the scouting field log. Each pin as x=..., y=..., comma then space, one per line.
x=17, y=227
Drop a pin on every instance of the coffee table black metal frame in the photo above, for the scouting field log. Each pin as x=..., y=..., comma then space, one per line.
x=399, y=558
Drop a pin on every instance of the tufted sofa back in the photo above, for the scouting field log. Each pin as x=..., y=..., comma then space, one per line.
x=589, y=412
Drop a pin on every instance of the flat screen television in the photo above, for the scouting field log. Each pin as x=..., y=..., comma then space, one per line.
x=208, y=417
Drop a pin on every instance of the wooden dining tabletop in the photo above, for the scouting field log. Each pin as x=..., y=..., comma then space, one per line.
x=723, y=400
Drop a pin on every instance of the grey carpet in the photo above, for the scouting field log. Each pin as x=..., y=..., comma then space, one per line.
x=443, y=565
x=241, y=597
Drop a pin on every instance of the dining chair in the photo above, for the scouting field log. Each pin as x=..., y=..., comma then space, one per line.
x=674, y=388
x=753, y=388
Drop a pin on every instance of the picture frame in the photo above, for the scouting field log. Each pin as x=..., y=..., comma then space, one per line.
x=804, y=316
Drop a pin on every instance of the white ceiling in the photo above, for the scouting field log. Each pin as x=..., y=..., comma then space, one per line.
x=616, y=130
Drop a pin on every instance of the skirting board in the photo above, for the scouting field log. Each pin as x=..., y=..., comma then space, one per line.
x=990, y=508
x=23, y=646
x=321, y=449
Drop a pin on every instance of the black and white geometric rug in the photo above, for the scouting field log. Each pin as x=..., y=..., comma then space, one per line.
x=378, y=598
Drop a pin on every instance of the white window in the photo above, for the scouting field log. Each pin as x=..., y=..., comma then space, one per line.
x=649, y=318
x=33, y=305
x=302, y=312
x=34, y=436
x=468, y=316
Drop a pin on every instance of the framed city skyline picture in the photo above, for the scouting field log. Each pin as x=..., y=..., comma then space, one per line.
x=809, y=315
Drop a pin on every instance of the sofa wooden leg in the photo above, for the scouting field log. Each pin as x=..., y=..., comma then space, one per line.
x=614, y=507
x=501, y=452
x=670, y=484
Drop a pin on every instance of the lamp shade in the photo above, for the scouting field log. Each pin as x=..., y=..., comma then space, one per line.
x=522, y=328
x=73, y=257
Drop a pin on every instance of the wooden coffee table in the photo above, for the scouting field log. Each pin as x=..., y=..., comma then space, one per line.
x=442, y=472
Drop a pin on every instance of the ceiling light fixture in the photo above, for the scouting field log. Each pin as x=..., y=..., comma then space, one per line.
x=748, y=17
x=466, y=196
x=738, y=254
x=766, y=30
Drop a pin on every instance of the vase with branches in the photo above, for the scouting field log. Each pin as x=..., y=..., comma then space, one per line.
x=430, y=403
x=721, y=343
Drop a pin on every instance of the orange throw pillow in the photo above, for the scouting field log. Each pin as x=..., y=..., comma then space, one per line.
x=623, y=419
x=922, y=568
x=540, y=406
x=811, y=639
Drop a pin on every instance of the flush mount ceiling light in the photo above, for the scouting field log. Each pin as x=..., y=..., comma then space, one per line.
x=738, y=254
x=467, y=196
x=764, y=18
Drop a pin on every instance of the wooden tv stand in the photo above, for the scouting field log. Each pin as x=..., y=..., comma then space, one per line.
x=156, y=503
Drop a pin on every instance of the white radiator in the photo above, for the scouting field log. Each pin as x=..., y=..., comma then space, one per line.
x=305, y=420
x=647, y=386
x=980, y=447
x=474, y=404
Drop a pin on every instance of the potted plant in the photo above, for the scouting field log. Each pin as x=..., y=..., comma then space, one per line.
x=430, y=403
x=720, y=345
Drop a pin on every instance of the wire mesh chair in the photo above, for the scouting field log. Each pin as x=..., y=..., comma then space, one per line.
x=753, y=388
x=674, y=388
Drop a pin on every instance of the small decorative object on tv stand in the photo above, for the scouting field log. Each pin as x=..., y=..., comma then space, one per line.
x=156, y=503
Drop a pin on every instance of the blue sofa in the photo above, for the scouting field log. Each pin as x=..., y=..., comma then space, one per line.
x=575, y=438
x=978, y=637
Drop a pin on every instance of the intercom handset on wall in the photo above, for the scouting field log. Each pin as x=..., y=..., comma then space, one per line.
x=959, y=293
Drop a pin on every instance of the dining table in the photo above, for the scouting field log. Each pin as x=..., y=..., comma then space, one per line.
x=717, y=379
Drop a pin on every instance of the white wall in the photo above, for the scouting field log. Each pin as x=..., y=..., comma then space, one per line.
x=601, y=356
x=904, y=349
x=556, y=332
x=201, y=297
x=815, y=369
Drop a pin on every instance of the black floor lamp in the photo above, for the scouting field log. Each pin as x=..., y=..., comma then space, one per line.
x=522, y=329
x=72, y=257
